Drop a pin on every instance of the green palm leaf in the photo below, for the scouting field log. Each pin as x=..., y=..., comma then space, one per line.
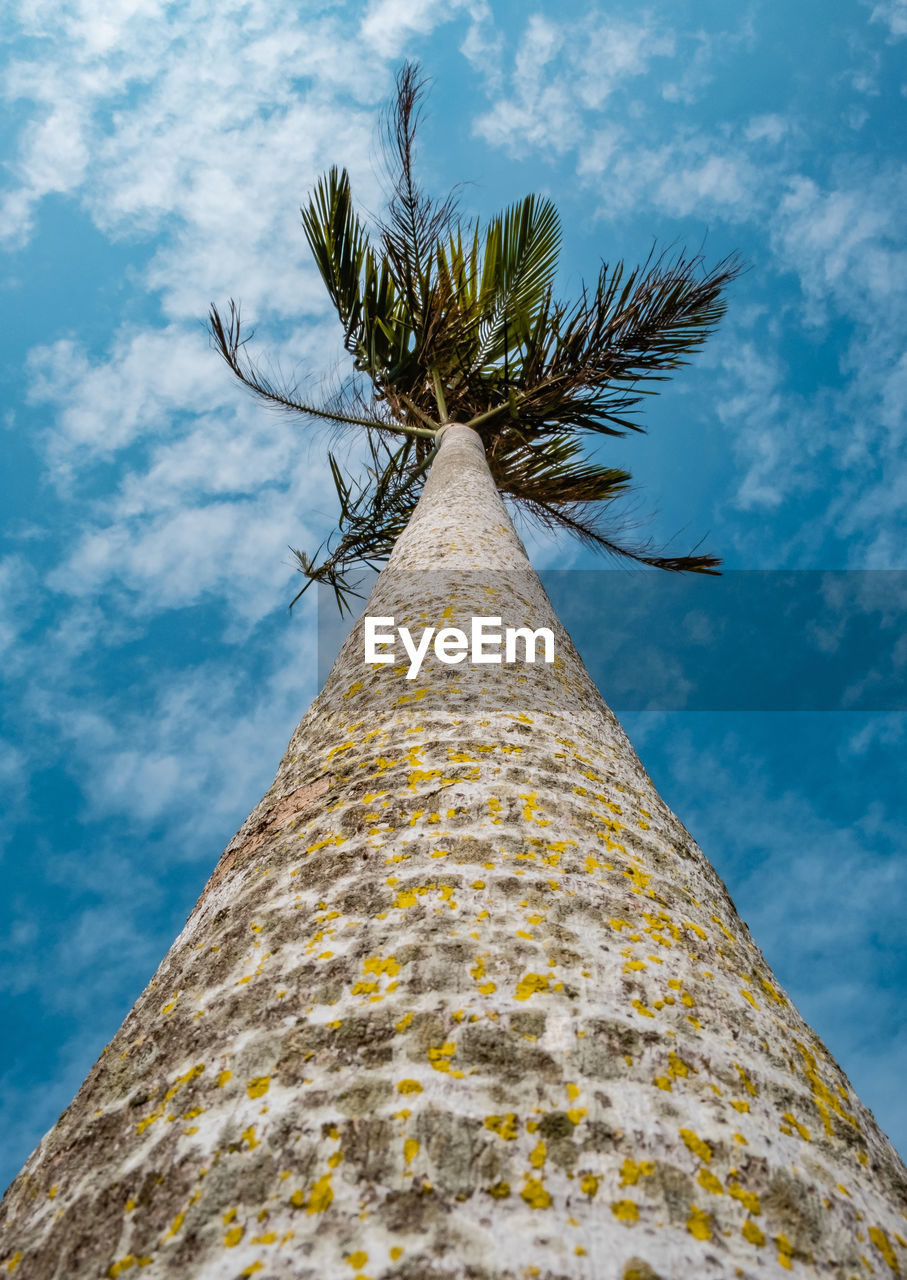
x=521, y=252
x=339, y=246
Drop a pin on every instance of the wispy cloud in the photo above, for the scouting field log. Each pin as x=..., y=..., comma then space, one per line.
x=149, y=376
x=893, y=13
x=200, y=138
x=845, y=240
x=203, y=731
x=17, y=605
x=389, y=24
x=561, y=73
x=205, y=504
x=886, y=731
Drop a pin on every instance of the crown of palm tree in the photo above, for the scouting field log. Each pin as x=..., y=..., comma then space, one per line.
x=449, y=321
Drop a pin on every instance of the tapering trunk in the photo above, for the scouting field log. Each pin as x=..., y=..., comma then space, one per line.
x=461, y=999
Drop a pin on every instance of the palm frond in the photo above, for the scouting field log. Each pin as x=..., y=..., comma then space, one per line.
x=520, y=261
x=374, y=510
x=587, y=527
x=339, y=246
x=557, y=472
x=581, y=368
x=415, y=222
x=665, y=311
x=284, y=395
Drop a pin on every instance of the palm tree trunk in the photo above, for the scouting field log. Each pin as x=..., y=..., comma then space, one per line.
x=461, y=999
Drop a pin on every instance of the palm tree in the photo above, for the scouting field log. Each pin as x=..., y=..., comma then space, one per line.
x=462, y=997
x=452, y=324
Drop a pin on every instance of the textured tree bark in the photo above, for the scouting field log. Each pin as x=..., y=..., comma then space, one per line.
x=461, y=999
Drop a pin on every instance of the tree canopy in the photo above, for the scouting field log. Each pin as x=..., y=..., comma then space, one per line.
x=449, y=320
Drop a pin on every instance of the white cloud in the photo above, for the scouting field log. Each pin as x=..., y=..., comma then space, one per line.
x=18, y=585
x=144, y=752
x=232, y=191
x=693, y=174
x=846, y=241
x=894, y=395
x=843, y=241
x=751, y=403
x=55, y=159
x=85, y=61
x=155, y=383
x=209, y=734
x=725, y=181
x=12, y=765
x=14, y=776
x=150, y=376
x=695, y=72
x=894, y=14
x=559, y=73
x=388, y=24
x=205, y=504
x=221, y=455
x=234, y=552
x=483, y=46
x=759, y=834
x=833, y=223
x=884, y=731
x=767, y=128
x=856, y=117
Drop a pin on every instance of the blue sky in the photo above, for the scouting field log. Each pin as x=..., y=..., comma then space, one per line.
x=154, y=160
